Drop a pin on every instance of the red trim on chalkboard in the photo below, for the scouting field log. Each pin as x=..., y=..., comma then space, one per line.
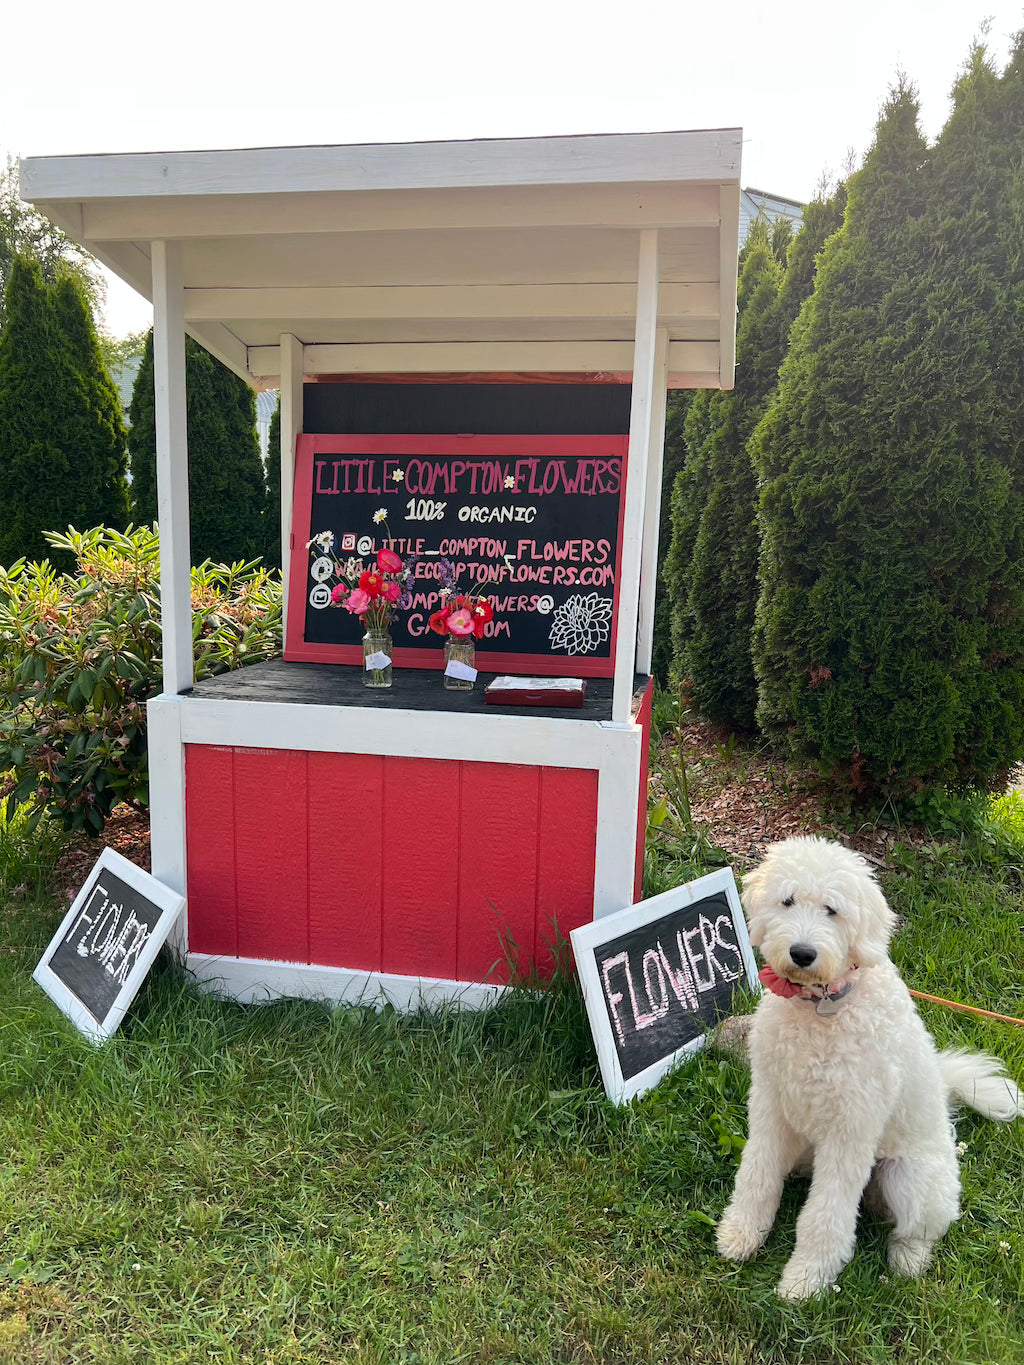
x=452, y=446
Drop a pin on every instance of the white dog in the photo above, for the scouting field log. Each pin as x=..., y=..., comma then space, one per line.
x=844, y=1074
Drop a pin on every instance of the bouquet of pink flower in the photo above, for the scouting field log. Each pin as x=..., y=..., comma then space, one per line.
x=460, y=614
x=373, y=593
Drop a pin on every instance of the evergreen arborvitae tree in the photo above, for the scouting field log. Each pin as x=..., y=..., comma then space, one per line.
x=689, y=495
x=142, y=440
x=272, y=531
x=889, y=639
x=714, y=638
x=715, y=653
x=93, y=431
x=34, y=471
x=227, y=493
x=61, y=433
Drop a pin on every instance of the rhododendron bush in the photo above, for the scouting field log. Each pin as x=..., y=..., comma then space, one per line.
x=80, y=654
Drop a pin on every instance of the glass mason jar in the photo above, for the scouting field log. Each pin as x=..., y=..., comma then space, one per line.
x=460, y=649
x=376, y=659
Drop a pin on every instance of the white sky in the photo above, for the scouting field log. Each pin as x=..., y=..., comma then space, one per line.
x=805, y=80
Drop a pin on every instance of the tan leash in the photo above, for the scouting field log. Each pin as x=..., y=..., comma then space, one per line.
x=967, y=1009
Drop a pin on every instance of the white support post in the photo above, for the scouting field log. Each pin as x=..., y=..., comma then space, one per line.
x=167, y=803
x=640, y=414
x=172, y=466
x=728, y=274
x=292, y=371
x=652, y=513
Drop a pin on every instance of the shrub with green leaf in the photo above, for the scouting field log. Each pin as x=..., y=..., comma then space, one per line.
x=80, y=655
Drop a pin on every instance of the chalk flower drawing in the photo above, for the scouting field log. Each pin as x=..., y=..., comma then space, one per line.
x=581, y=623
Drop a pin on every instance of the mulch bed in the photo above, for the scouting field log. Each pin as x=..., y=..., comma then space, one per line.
x=127, y=832
x=747, y=798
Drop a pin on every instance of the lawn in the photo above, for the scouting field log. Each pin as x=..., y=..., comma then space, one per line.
x=292, y=1183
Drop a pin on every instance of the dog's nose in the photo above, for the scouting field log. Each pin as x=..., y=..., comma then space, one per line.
x=802, y=954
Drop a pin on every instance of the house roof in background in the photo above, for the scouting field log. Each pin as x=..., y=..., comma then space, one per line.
x=518, y=254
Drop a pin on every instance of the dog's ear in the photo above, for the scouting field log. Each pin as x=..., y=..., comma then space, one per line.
x=875, y=926
x=752, y=899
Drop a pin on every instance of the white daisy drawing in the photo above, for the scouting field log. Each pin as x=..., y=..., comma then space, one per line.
x=398, y=475
x=324, y=542
x=581, y=624
x=509, y=481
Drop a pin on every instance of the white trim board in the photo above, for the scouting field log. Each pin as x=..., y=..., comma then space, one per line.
x=523, y=739
x=254, y=981
x=712, y=154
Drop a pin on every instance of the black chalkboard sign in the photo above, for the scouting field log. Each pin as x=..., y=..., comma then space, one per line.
x=99, y=957
x=533, y=522
x=659, y=976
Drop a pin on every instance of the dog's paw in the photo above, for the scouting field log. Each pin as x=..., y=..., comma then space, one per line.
x=908, y=1255
x=800, y=1281
x=739, y=1240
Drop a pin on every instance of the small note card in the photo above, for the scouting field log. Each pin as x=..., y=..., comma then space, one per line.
x=375, y=662
x=462, y=671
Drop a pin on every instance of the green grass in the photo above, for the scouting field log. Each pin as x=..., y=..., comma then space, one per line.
x=290, y=1183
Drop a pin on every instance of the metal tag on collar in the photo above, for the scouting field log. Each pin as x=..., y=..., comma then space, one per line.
x=832, y=1004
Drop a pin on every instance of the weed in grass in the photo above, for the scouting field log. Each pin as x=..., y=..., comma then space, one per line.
x=29, y=848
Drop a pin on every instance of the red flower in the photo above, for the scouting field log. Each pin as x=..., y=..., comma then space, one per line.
x=388, y=561
x=438, y=623
x=339, y=593
x=391, y=591
x=371, y=583
x=483, y=610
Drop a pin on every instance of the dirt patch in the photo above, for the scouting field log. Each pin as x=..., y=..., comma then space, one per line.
x=127, y=832
x=747, y=798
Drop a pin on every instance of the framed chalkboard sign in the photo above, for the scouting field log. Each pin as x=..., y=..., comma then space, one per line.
x=533, y=522
x=99, y=957
x=658, y=976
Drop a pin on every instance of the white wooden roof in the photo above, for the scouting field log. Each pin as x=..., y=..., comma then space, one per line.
x=511, y=255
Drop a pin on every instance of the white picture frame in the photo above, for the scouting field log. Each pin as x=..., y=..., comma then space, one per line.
x=603, y=1006
x=112, y=939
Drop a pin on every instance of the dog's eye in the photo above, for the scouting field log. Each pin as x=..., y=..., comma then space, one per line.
x=830, y=910
x=788, y=901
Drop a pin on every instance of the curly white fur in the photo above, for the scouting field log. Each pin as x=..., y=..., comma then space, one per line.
x=862, y=1094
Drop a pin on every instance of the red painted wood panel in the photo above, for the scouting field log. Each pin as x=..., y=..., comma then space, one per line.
x=346, y=852
x=270, y=854
x=421, y=866
x=643, y=719
x=498, y=869
x=566, y=854
x=413, y=866
x=209, y=832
